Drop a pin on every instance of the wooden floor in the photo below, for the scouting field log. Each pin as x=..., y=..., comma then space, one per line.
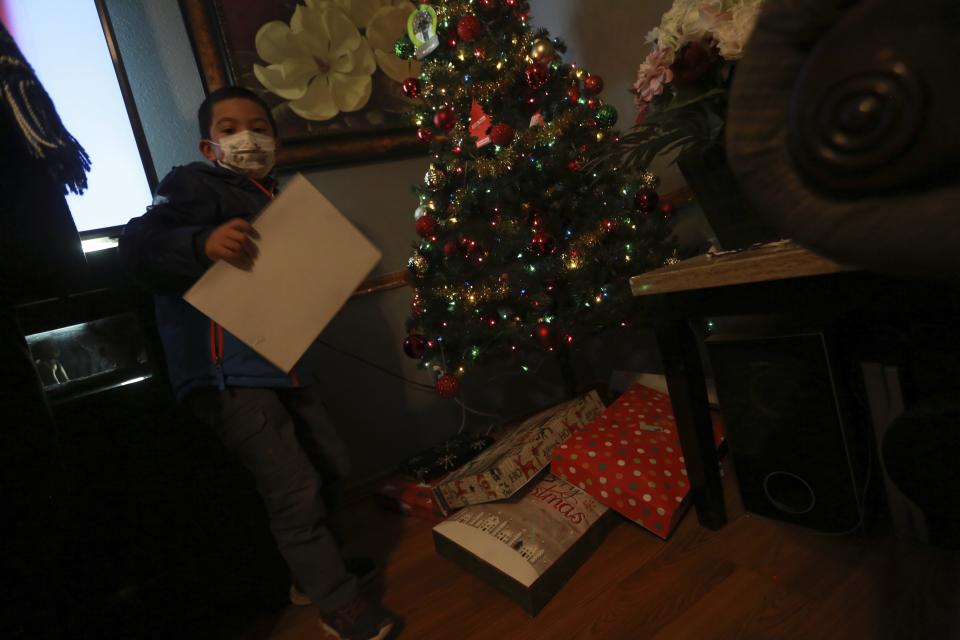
x=755, y=578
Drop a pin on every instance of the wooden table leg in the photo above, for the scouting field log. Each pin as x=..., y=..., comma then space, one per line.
x=688, y=395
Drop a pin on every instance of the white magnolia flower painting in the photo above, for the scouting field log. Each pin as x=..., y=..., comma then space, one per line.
x=326, y=68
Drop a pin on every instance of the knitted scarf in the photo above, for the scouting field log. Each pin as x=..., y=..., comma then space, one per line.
x=29, y=106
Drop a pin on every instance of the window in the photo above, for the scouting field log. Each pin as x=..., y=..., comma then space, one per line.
x=69, y=44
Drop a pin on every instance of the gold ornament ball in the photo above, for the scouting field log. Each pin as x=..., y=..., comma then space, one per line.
x=542, y=50
x=649, y=180
x=434, y=178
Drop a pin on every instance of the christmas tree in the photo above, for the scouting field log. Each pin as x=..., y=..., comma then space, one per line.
x=522, y=248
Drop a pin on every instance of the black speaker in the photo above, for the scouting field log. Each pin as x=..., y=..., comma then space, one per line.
x=793, y=432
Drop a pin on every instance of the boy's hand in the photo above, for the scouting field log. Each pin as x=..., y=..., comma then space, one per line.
x=233, y=242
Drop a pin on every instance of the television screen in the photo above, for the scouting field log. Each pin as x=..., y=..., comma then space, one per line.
x=64, y=42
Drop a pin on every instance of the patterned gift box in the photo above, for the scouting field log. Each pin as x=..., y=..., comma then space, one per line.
x=517, y=456
x=409, y=496
x=530, y=545
x=445, y=457
x=629, y=459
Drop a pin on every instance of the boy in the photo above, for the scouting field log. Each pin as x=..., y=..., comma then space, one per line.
x=275, y=423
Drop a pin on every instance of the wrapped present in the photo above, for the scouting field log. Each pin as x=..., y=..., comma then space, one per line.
x=446, y=456
x=530, y=545
x=409, y=496
x=517, y=456
x=629, y=459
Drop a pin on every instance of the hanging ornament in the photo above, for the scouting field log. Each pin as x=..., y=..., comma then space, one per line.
x=545, y=336
x=574, y=165
x=435, y=179
x=424, y=135
x=414, y=346
x=418, y=264
x=668, y=210
x=501, y=134
x=537, y=75
x=420, y=211
x=606, y=116
x=646, y=200
x=445, y=119
x=469, y=28
x=649, y=180
x=543, y=243
x=411, y=88
x=542, y=50
x=573, y=94
x=427, y=226
x=593, y=84
x=448, y=386
x=403, y=48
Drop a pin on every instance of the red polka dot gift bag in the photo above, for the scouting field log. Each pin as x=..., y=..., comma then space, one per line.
x=629, y=459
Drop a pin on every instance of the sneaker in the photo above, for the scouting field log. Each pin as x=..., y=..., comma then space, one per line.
x=363, y=567
x=359, y=619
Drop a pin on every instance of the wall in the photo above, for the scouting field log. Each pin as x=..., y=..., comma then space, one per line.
x=382, y=418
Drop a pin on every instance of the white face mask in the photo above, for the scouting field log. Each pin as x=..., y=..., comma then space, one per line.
x=247, y=152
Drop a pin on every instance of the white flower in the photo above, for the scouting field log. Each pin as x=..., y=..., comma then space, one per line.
x=386, y=25
x=728, y=23
x=383, y=21
x=680, y=25
x=732, y=33
x=320, y=62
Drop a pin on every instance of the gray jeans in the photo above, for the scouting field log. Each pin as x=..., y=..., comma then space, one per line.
x=285, y=439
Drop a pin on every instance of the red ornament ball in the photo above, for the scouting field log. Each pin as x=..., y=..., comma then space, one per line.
x=414, y=346
x=424, y=135
x=501, y=134
x=593, y=84
x=668, y=210
x=448, y=386
x=427, y=226
x=543, y=243
x=544, y=335
x=411, y=88
x=647, y=200
x=469, y=28
x=573, y=94
x=449, y=248
x=445, y=119
x=574, y=165
x=537, y=75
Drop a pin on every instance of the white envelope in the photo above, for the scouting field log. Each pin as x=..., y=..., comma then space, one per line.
x=311, y=260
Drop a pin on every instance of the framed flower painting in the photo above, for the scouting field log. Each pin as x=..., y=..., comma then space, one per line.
x=326, y=68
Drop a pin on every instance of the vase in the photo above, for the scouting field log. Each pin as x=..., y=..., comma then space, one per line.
x=735, y=222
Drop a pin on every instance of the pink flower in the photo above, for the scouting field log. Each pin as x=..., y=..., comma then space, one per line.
x=654, y=74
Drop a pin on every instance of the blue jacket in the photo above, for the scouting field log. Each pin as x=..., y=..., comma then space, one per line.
x=163, y=251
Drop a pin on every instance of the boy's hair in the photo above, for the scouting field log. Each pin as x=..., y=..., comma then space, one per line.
x=205, y=112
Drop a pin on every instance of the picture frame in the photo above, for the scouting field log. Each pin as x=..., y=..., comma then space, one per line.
x=223, y=34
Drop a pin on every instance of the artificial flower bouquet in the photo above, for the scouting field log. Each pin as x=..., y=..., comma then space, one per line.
x=682, y=85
